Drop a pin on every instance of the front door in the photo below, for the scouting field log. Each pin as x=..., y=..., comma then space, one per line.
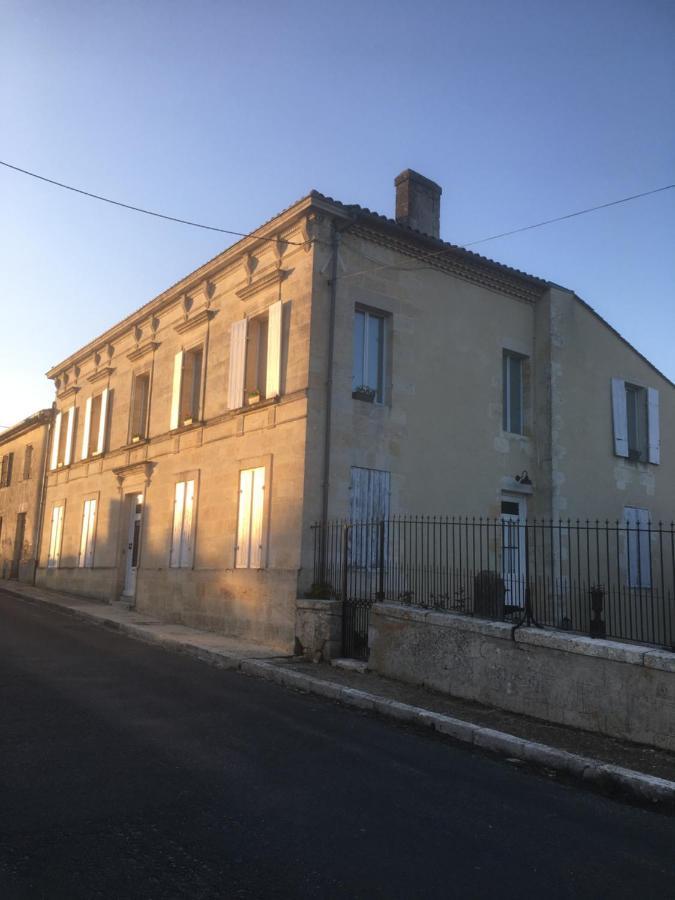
x=133, y=544
x=18, y=545
x=514, y=558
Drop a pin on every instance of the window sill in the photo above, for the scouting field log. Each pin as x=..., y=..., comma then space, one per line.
x=196, y=423
x=261, y=404
x=132, y=444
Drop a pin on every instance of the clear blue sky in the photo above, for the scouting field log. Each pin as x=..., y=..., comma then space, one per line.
x=226, y=113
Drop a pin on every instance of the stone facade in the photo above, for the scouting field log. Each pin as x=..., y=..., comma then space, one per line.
x=140, y=477
x=23, y=449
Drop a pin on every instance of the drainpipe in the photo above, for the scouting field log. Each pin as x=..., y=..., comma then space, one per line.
x=43, y=494
x=335, y=245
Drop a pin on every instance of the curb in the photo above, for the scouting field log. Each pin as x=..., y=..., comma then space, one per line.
x=604, y=776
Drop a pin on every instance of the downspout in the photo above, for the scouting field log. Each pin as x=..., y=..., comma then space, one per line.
x=43, y=494
x=335, y=246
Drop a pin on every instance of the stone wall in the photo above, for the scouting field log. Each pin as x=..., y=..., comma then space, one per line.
x=622, y=690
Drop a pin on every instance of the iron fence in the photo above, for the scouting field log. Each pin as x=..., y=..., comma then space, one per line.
x=599, y=578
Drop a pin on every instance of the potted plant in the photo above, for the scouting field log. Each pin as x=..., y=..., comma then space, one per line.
x=365, y=393
x=254, y=396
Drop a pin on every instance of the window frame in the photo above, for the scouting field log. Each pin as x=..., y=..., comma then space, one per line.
x=380, y=390
x=143, y=435
x=85, y=559
x=508, y=356
x=256, y=464
x=182, y=552
x=6, y=466
x=53, y=552
x=27, y=462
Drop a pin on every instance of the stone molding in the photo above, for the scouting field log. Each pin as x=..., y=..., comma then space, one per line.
x=99, y=374
x=142, y=350
x=276, y=276
x=199, y=318
x=143, y=468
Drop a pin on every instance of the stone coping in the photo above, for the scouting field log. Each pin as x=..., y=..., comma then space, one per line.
x=567, y=642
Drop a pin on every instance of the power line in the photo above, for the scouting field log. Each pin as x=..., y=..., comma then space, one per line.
x=437, y=253
x=579, y=212
x=139, y=209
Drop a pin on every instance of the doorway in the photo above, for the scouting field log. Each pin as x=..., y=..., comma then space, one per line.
x=18, y=545
x=133, y=544
x=514, y=550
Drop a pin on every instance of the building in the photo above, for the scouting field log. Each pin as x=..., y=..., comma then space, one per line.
x=336, y=363
x=23, y=457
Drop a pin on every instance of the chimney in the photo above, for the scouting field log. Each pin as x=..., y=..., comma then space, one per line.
x=418, y=203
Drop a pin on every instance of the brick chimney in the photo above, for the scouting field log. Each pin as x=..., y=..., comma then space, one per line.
x=418, y=203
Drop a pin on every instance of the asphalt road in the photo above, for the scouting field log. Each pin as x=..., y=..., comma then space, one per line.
x=128, y=771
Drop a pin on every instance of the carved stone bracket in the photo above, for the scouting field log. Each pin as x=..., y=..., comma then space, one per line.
x=68, y=392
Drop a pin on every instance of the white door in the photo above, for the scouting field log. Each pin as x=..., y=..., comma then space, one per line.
x=514, y=559
x=133, y=544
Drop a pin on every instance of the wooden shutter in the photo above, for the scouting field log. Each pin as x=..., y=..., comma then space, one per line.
x=85, y=535
x=187, y=542
x=54, y=557
x=8, y=472
x=653, y=425
x=257, y=513
x=91, y=530
x=68, y=450
x=102, y=422
x=175, y=393
x=273, y=379
x=55, y=441
x=620, y=417
x=242, y=554
x=178, y=507
x=638, y=547
x=86, y=429
x=235, y=388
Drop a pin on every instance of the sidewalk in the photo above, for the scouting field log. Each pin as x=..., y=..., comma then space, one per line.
x=630, y=770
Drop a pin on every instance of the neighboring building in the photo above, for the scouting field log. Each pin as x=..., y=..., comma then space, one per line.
x=335, y=363
x=23, y=450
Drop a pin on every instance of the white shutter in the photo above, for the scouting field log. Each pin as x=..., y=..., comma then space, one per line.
x=55, y=441
x=257, y=511
x=620, y=417
x=653, y=425
x=86, y=429
x=638, y=547
x=187, y=543
x=68, y=450
x=178, y=506
x=235, y=388
x=91, y=530
x=242, y=556
x=54, y=556
x=175, y=394
x=103, y=421
x=273, y=381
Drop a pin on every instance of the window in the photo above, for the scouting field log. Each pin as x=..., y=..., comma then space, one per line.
x=368, y=369
x=63, y=434
x=635, y=412
x=140, y=398
x=86, y=558
x=182, y=539
x=27, y=461
x=55, y=538
x=187, y=387
x=248, y=552
x=638, y=547
x=6, y=470
x=512, y=393
x=95, y=424
x=255, y=358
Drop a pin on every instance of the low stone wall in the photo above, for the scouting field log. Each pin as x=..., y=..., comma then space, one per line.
x=318, y=628
x=623, y=690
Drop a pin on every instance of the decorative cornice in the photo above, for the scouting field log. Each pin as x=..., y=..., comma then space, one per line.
x=143, y=350
x=100, y=373
x=138, y=468
x=276, y=276
x=199, y=318
x=68, y=392
x=453, y=262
